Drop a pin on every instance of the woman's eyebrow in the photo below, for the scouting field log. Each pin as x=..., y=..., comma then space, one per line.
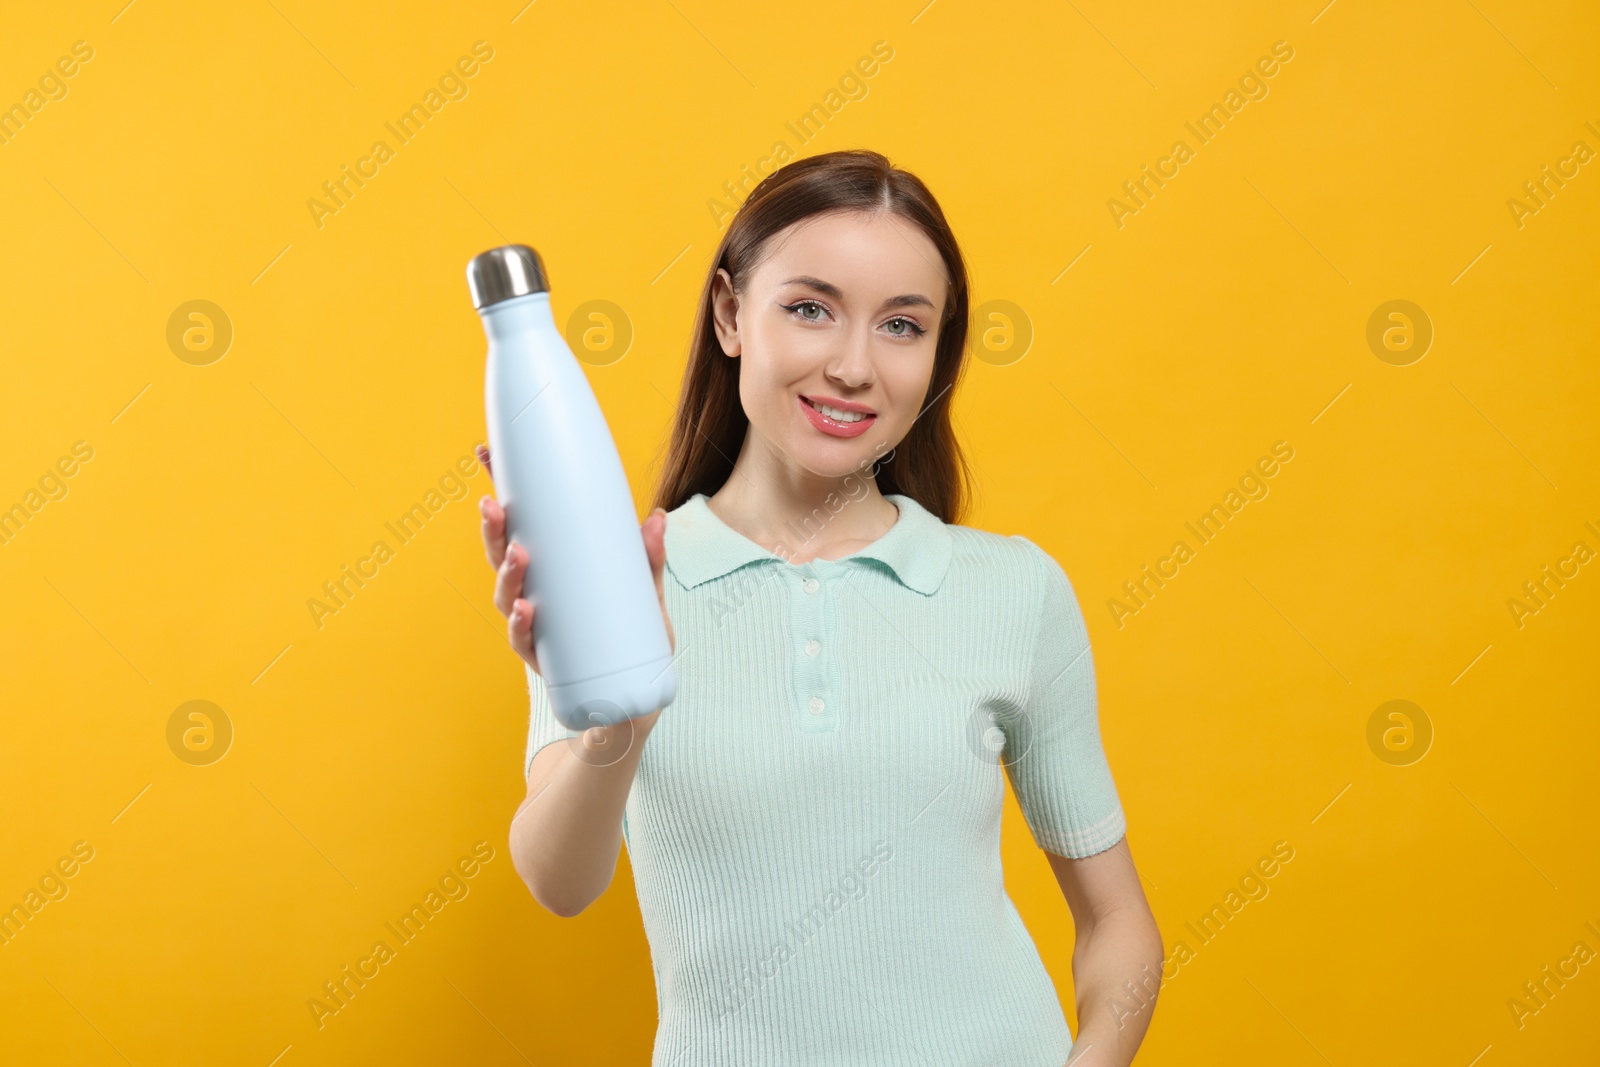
x=829, y=289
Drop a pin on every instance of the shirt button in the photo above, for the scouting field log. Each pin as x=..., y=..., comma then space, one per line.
x=810, y=585
x=816, y=706
x=813, y=647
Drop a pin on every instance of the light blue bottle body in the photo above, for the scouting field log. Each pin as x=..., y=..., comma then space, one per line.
x=598, y=632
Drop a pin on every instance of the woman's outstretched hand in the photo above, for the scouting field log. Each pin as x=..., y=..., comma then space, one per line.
x=511, y=563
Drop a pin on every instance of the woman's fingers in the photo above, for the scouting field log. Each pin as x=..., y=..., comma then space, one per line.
x=508, y=579
x=655, y=549
x=519, y=628
x=493, y=516
x=510, y=563
x=494, y=530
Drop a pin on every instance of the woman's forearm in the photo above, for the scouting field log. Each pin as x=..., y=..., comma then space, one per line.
x=1116, y=972
x=566, y=835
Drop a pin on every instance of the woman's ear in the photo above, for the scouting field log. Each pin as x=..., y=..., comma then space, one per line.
x=724, y=312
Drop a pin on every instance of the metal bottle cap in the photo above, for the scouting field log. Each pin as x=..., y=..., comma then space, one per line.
x=505, y=272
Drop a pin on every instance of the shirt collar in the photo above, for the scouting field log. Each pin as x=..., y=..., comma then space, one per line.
x=700, y=546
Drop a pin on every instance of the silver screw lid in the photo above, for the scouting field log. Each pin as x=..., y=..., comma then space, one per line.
x=505, y=272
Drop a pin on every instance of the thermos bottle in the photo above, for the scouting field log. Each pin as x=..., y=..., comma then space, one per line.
x=598, y=633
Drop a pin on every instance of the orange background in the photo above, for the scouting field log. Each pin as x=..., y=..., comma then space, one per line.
x=1162, y=357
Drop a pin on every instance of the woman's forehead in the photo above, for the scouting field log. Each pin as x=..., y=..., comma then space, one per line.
x=860, y=255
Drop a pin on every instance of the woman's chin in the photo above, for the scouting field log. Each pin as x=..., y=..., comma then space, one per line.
x=837, y=458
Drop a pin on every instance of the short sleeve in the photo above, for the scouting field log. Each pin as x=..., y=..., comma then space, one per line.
x=1053, y=754
x=543, y=726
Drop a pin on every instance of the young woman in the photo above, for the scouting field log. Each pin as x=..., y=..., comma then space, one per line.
x=814, y=823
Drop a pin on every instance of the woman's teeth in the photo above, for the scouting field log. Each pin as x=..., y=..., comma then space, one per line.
x=835, y=414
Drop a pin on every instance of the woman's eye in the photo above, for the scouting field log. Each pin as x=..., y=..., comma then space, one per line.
x=803, y=310
x=796, y=309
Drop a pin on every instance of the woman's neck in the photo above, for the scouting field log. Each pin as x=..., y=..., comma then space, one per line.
x=801, y=516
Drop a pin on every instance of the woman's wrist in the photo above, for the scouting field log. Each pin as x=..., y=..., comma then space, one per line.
x=604, y=745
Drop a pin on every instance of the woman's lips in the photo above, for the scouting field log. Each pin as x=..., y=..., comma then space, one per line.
x=832, y=427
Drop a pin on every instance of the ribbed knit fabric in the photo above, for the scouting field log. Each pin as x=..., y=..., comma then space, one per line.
x=815, y=824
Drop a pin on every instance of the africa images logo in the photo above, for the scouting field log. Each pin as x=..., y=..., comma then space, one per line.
x=851, y=887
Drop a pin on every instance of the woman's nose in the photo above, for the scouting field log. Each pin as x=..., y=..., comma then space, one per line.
x=853, y=365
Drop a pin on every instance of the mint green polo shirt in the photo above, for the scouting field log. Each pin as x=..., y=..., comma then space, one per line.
x=814, y=828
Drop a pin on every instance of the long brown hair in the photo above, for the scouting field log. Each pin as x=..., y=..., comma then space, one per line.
x=710, y=425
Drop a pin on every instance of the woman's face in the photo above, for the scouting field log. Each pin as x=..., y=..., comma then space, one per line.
x=843, y=312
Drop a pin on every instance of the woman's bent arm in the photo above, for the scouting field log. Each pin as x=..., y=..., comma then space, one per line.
x=565, y=836
x=1116, y=956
